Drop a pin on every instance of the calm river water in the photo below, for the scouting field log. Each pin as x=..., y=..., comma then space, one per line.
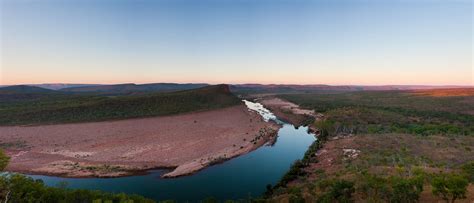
x=238, y=178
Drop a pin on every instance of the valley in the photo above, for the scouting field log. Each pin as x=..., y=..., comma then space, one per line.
x=208, y=133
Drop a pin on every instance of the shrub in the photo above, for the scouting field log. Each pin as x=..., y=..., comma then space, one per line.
x=468, y=171
x=406, y=189
x=336, y=191
x=374, y=188
x=449, y=186
x=391, y=189
x=3, y=160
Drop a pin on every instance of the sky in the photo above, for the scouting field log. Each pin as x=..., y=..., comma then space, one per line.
x=336, y=42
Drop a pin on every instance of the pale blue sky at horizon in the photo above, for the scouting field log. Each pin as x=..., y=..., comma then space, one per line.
x=358, y=42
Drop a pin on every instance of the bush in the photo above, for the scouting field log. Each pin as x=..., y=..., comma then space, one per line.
x=374, y=188
x=468, y=171
x=449, y=186
x=3, y=160
x=406, y=189
x=19, y=188
x=336, y=191
x=392, y=188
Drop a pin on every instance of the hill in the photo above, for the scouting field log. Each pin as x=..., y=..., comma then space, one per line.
x=85, y=108
x=130, y=88
x=18, y=93
x=23, y=89
x=58, y=86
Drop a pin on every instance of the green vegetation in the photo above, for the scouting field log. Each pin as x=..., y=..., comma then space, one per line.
x=392, y=151
x=406, y=186
x=408, y=146
x=19, y=188
x=404, y=101
x=391, y=112
x=3, y=160
x=468, y=171
x=130, y=88
x=391, y=188
x=64, y=108
x=450, y=186
x=356, y=120
x=335, y=190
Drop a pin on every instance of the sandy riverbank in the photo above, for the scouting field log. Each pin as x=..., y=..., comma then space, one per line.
x=291, y=112
x=287, y=111
x=187, y=143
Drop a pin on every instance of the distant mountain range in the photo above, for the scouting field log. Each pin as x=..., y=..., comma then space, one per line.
x=23, y=89
x=57, y=86
x=24, y=92
x=130, y=88
x=116, y=89
x=259, y=88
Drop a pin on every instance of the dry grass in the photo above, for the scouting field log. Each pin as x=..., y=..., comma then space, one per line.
x=408, y=150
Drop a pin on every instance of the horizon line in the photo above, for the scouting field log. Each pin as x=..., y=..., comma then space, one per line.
x=288, y=84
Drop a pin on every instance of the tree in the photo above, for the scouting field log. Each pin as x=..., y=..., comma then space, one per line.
x=374, y=188
x=3, y=160
x=326, y=127
x=336, y=191
x=450, y=187
x=468, y=171
x=391, y=189
x=4, y=191
x=406, y=189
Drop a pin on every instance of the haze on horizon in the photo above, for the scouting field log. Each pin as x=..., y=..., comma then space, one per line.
x=359, y=42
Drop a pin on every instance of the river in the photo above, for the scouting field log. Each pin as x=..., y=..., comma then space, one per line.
x=239, y=178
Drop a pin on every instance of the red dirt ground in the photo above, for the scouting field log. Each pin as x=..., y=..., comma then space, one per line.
x=117, y=148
